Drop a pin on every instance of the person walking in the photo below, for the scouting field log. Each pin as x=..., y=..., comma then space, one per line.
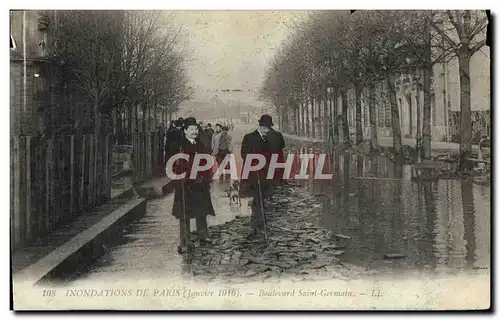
x=223, y=148
x=210, y=133
x=204, y=136
x=216, y=139
x=256, y=185
x=192, y=198
x=173, y=138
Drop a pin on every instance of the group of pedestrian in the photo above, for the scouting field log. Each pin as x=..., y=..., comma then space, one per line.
x=206, y=136
x=192, y=198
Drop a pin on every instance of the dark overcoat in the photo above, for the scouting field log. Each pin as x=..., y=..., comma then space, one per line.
x=192, y=196
x=276, y=146
x=253, y=143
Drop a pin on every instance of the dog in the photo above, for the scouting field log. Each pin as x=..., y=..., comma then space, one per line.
x=234, y=192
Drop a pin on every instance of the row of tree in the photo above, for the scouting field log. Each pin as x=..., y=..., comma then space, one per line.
x=128, y=66
x=366, y=52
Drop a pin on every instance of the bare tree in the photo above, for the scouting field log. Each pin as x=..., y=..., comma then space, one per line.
x=466, y=35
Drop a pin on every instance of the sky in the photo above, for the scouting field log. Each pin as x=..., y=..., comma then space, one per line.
x=230, y=49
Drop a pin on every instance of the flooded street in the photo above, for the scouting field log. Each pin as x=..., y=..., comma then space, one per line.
x=397, y=224
x=370, y=218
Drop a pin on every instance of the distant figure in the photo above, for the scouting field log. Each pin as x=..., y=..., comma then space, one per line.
x=223, y=147
x=210, y=132
x=216, y=138
x=174, y=136
x=205, y=136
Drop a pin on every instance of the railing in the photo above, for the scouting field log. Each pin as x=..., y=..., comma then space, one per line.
x=55, y=179
x=147, y=154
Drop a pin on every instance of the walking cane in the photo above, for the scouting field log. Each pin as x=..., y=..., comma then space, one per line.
x=262, y=207
x=186, y=224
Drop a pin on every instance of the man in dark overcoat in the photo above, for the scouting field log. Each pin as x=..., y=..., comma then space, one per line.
x=256, y=184
x=192, y=194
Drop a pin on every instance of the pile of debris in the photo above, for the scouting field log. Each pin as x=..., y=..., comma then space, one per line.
x=294, y=246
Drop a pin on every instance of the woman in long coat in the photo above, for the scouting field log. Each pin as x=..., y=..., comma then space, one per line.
x=192, y=195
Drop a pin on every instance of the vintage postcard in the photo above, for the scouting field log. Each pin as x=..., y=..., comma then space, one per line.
x=250, y=160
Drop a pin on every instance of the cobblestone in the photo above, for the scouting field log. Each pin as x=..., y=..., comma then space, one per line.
x=295, y=248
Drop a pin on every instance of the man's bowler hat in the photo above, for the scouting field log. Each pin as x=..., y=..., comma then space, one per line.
x=190, y=121
x=266, y=120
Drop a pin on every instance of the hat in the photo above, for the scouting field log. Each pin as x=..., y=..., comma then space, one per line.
x=190, y=121
x=178, y=123
x=266, y=120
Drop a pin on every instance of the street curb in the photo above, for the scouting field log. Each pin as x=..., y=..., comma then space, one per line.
x=84, y=247
x=162, y=190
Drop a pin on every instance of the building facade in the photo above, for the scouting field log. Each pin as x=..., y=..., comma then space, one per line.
x=445, y=102
x=30, y=71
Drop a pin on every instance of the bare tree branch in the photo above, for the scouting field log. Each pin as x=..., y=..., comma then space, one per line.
x=444, y=35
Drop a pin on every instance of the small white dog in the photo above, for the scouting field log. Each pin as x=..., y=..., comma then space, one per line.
x=234, y=192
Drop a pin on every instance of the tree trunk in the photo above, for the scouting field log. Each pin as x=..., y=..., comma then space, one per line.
x=307, y=133
x=143, y=117
x=326, y=118
x=345, y=124
x=396, y=125
x=426, y=121
x=119, y=127
x=163, y=122
x=155, y=116
x=295, y=119
x=97, y=124
x=151, y=123
x=301, y=120
x=359, y=124
x=335, y=123
x=465, y=110
x=426, y=125
x=137, y=120
x=313, y=120
x=284, y=118
x=418, y=143
x=130, y=118
x=280, y=118
x=373, y=117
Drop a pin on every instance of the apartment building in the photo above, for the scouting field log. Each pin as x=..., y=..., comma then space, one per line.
x=29, y=70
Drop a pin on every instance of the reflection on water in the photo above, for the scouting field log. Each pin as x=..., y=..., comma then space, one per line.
x=441, y=225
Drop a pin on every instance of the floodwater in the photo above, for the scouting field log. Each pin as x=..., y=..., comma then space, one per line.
x=436, y=226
